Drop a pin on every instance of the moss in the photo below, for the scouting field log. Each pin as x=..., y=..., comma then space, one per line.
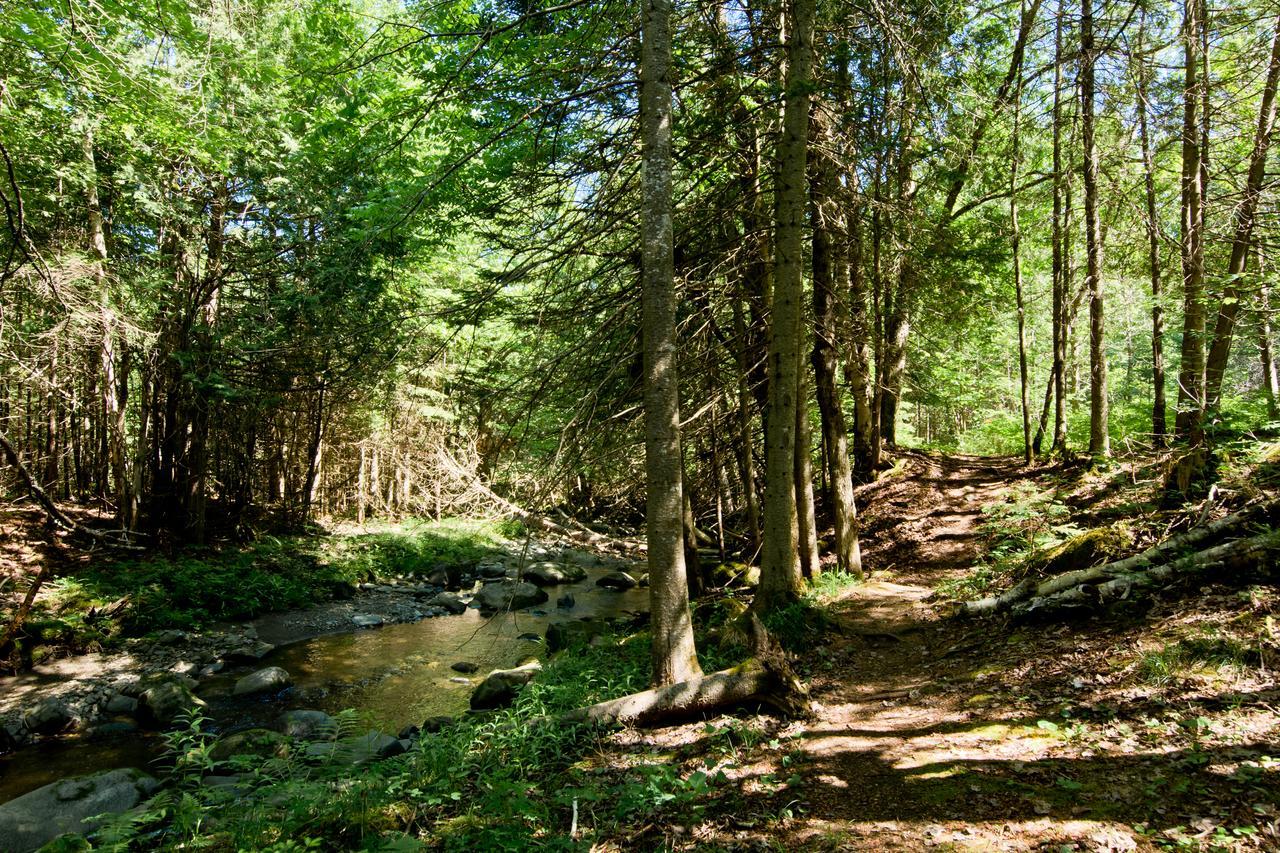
x=1090, y=548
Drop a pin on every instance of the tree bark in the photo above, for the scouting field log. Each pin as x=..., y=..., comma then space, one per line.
x=1142, y=81
x=1191, y=376
x=1270, y=381
x=1016, y=240
x=1099, y=433
x=827, y=262
x=673, y=654
x=779, y=569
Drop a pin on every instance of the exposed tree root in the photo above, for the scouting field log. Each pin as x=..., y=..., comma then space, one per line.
x=1154, y=558
x=764, y=678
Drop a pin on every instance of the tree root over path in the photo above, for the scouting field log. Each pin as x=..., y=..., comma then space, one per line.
x=1160, y=563
x=765, y=678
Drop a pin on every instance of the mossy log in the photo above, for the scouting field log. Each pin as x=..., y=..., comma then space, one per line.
x=1257, y=552
x=1155, y=556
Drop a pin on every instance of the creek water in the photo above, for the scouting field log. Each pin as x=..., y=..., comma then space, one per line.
x=394, y=676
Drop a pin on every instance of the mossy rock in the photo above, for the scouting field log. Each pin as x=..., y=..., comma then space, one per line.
x=1091, y=548
x=735, y=575
x=260, y=742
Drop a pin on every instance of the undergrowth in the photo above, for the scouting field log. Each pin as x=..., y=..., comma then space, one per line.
x=192, y=588
x=510, y=780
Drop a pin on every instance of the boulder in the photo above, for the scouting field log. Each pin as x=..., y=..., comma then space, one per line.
x=501, y=686
x=431, y=725
x=566, y=601
x=36, y=818
x=618, y=581
x=47, y=718
x=367, y=620
x=450, y=601
x=509, y=595
x=357, y=750
x=162, y=704
x=465, y=667
x=735, y=575
x=121, y=704
x=262, y=743
x=491, y=570
x=565, y=635
x=307, y=725
x=551, y=574
x=249, y=652
x=269, y=680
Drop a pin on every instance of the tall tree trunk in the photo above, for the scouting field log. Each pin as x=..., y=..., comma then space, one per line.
x=1016, y=239
x=1099, y=434
x=1059, y=368
x=828, y=263
x=1191, y=377
x=1142, y=76
x=806, y=513
x=779, y=568
x=1245, y=213
x=1270, y=381
x=746, y=461
x=857, y=370
x=673, y=654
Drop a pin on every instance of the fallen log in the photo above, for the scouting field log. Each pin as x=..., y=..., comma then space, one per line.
x=1262, y=551
x=1156, y=555
x=764, y=678
x=579, y=533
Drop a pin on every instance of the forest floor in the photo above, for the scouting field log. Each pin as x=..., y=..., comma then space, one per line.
x=936, y=732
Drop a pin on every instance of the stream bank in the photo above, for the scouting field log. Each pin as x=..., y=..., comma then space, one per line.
x=396, y=671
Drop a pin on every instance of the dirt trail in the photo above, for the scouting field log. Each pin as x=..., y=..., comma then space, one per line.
x=934, y=732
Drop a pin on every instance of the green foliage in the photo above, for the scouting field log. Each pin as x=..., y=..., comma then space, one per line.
x=503, y=781
x=195, y=587
x=1176, y=660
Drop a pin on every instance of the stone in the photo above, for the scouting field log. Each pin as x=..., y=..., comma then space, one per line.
x=458, y=679
x=307, y=725
x=735, y=575
x=501, y=686
x=408, y=732
x=566, y=601
x=263, y=743
x=450, y=601
x=491, y=570
x=47, y=718
x=211, y=669
x=357, y=750
x=36, y=818
x=643, y=581
x=366, y=620
x=618, y=581
x=551, y=574
x=115, y=728
x=162, y=704
x=531, y=637
x=249, y=652
x=269, y=680
x=564, y=635
x=168, y=638
x=509, y=595
x=8, y=742
x=464, y=666
x=431, y=725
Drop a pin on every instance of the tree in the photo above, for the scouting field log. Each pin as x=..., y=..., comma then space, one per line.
x=1099, y=432
x=779, y=566
x=1191, y=376
x=674, y=656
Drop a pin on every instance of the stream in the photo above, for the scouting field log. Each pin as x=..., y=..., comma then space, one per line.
x=393, y=675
